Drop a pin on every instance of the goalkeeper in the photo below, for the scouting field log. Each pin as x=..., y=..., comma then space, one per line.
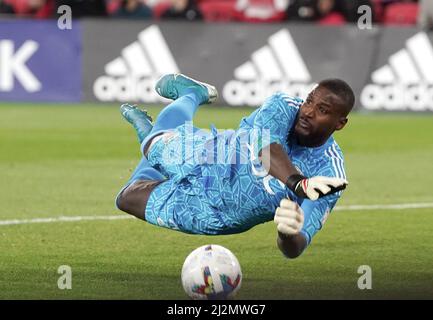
x=281, y=164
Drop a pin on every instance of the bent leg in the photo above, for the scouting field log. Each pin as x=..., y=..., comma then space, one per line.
x=133, y=197
x=182, y=206
x=173, y=115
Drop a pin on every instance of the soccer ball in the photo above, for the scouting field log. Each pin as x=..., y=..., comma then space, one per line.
x=211, y=272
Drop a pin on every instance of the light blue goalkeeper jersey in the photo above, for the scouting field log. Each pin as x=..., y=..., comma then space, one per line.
x=215, y=192
x=279, y=114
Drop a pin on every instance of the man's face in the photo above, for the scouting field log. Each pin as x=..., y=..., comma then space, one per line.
x=321, y=114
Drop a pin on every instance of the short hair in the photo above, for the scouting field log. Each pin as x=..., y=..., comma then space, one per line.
x=342, y=90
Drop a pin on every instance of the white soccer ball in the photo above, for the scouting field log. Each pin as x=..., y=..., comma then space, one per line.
x=211, y=272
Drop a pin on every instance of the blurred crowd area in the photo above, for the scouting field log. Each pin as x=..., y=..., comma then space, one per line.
x=331, y=12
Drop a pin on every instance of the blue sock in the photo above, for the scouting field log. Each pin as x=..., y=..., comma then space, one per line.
x=175, y=114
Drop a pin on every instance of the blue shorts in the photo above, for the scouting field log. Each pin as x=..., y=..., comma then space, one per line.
x=190, y=200
x=181, y=202
x=181, y=206
x=201, y=195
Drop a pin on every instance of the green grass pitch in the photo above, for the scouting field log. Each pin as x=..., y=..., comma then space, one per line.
x=71, y=160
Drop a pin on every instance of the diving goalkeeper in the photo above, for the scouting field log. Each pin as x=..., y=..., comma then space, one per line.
x=281, y=164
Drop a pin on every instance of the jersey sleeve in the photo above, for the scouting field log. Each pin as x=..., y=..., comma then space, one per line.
x=316, y=213
x=274, y=119
x=331, y=164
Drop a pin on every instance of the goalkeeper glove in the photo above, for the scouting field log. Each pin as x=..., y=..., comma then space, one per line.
x=289, y=218
x=315, y=187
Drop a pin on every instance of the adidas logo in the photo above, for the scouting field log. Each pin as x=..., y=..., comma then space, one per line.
x=132, y=76
x=406, y=82
x=278, y=66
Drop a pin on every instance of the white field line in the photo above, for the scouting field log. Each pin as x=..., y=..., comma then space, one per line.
x=62, y=219
x=401, y=206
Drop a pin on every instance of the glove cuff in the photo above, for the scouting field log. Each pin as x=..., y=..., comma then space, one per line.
x=293, y=183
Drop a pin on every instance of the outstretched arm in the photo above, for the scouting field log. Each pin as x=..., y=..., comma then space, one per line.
x=277, y=163
x=291, y=246
x=289, y=218
x=297, y=224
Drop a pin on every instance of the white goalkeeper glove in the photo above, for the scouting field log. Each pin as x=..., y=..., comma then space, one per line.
x=289, y=218
x=315, y=187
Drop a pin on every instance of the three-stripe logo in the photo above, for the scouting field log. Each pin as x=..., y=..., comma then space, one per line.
x=277, y=66
x=405, y=82
x=132, y=76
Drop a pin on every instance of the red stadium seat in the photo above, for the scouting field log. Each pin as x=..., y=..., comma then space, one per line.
x=401, y=13
x=335, y=18
x=160, y=8
x=22, y=8
x=221, y=10
x=260, y=10
x=113, y=6
x=278, y=16
x=378, y=10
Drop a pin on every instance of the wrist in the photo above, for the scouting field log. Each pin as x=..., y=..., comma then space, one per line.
x=293, y=182
x=284, y=237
